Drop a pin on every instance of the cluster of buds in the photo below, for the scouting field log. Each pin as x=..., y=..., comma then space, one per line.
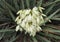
x=30, y=20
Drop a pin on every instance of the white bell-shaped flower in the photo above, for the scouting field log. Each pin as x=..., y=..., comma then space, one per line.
x=30, y=20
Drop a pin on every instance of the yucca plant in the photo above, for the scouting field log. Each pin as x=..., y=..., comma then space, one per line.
x=8, y=14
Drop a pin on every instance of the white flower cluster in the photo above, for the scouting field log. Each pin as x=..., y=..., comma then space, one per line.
x=30, y=20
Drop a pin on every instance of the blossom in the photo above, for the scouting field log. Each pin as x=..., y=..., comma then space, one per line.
x=30, y=20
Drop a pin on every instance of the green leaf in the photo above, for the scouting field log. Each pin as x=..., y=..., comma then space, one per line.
x=50, y=35
x=7, y=30
x=1, y=9
x=16, y=4
x=13, y=38
x=39, y=3
x=49, y=9
x=49, y=3
x=24, y=38
x=57, y=0
x=34, y=3
x=9, y=6
x=28, y=3
x=54, y=18
x=1, y=35
x=49, y=17
x=34, y=39
x=51, y=30
x=43, y=39
x=11, y=14
x=2, y=4
x=54, y=36
x=22, y=1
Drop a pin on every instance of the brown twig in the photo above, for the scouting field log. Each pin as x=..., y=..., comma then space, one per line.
x=3, y=24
